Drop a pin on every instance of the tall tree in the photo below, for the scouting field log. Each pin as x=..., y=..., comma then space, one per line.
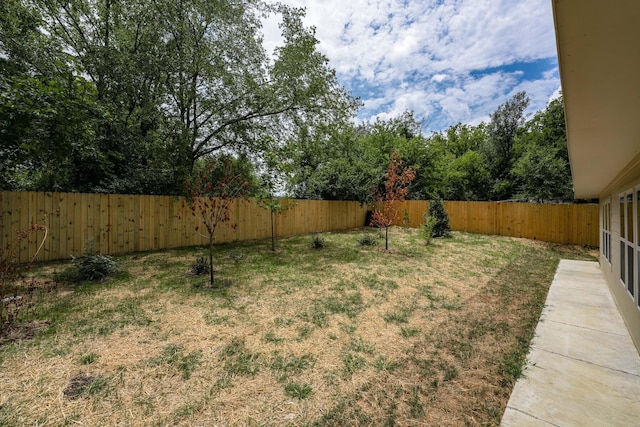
x=506, y=121
x=542, y=171
x=176, y=81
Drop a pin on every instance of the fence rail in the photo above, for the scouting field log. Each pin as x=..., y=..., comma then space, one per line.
x=116, y=223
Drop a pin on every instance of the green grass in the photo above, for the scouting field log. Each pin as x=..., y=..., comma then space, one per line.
x=298, y=391
x=355, y=334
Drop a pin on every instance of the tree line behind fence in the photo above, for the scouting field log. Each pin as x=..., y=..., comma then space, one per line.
x=115, y=223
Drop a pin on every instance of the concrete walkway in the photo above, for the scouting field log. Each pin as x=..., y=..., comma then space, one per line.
x=583, y=369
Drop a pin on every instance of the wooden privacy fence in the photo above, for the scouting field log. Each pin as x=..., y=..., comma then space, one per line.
x=116, y=223
x=557, y=223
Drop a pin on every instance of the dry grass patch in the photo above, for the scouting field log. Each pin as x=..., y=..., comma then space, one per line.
x=345, y=335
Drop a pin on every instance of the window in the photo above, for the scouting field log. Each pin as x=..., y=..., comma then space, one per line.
x=606, y=230
x=629, y=245
x=623, y=236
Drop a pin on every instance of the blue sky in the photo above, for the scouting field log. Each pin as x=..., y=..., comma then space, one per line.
x=449, y=61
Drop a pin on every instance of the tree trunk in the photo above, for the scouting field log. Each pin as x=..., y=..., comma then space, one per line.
x=386, y=238
x=273, y=235
x=211, y=260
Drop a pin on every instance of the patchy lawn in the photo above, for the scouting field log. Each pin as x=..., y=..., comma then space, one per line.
x=343, y=335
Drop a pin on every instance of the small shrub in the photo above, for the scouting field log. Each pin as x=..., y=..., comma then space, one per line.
x=94, y=267
x=427, y=228
x=200, y=267
x=318, y=242
x=368, y=240
x=406, y=219
x=441, y=228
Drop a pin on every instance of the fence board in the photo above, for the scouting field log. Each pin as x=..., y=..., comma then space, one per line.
x=113, y=224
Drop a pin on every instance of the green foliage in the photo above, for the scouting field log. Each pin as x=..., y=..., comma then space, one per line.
x=467, y=178
x=292, y=364
x=542, y=171
x=401, y=315
x=222, y=167
x=123, y=97
x=344, y=167
x=427, y=228
x=238, y=360
x=94, y=267
x=88, y=359
x=368, y=240
x=441, y=227
x=506, y=122
x=200, y=266
x=299, y=391
x=504, y=159
x=173, y=355
x=318, y=242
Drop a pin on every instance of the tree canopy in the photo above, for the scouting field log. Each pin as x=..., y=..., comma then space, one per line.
x=126, y=96
x=134, y=96
x=509, y=158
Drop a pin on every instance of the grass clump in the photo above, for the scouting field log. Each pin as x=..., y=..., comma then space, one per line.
x=368, y=240
x=298, y=391
x=200, y=267
x=88, y=359
x=318, y=242
x=292, y=364
x=238, y=359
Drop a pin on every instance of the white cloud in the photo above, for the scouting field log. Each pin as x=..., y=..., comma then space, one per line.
x=444, y=58
x=439, y=77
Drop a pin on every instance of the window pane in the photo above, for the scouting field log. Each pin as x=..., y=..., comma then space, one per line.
x=630, y=269
x=622, y=265
x=630, y=235
x=622, y=211
x=638, y=207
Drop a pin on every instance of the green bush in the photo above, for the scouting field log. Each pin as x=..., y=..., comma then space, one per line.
x=441, y=227
x=200, y=267
x=427, y=228
x=368, y=240
x=94, y=267
x=318, y=242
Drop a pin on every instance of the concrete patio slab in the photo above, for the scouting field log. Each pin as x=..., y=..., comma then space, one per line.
x=582, y=368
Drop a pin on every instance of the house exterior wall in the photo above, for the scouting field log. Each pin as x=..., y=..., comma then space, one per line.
x=620, y=246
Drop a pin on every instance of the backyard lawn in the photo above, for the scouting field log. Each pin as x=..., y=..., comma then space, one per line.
x=343, y=335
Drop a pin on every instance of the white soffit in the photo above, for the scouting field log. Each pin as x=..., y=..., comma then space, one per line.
x=599, y=54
